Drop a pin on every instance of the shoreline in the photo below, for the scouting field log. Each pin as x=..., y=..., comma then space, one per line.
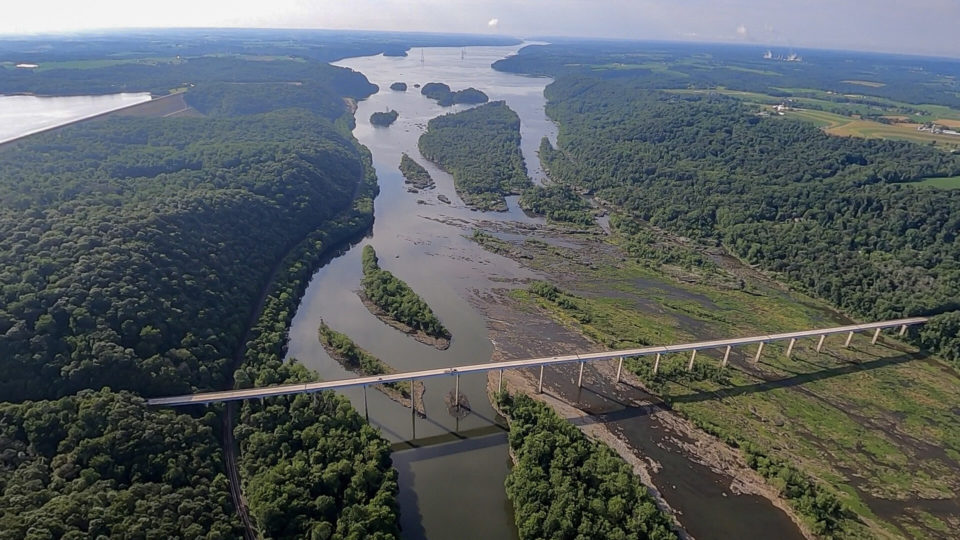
x=440, y=344
x=700, y=447
x=395, y=394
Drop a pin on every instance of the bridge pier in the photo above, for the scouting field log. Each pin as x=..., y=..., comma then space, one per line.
x=656, y=364
x=849, y=339
x=413, y=406
x=820, y=343
x=580, y=377
x=693, y=356
x=876, y=336
x=759, y=352
x=726, y=356
x=903, y=331
x=500, y=384
x=456, y=393
x=366, y=410
x=793, y=341
x=540, y=384
x=619, y=368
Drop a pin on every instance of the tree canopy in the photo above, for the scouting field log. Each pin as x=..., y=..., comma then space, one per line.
x=564, y=486
x=480, y=147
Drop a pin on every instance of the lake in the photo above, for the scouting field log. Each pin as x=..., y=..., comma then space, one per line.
x=25, y=115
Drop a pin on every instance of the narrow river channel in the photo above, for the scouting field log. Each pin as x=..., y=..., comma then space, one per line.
x=452, y=470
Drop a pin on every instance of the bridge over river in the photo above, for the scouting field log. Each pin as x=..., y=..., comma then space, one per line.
x=656, y=352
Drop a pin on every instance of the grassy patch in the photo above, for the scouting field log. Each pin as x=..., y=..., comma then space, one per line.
x=871, y=84
x=951, y=182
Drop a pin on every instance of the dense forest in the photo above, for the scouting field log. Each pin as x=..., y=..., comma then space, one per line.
x=158, y=60
x=480, y=147
x=384, y=119
x=313, y=468
x=833, y=216
x=118, y=236
x=563, y=485
x=446, y=97
x=414, y=173
x=910, y=79
x=397, y=299
x=134, y=252
x=558, y=202
x=101, y=464
x=399, y=86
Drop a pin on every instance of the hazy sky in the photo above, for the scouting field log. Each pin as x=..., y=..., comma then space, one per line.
x=908, y=26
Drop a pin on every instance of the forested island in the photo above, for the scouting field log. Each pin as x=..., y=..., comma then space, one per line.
x=399, y=86
x=394, y=302
x=446, y=97
x=342, y=349
x=562, y=485
x=384, y=119
x=480, y=147
x=414, y=173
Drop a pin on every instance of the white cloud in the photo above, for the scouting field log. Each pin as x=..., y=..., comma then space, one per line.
x=494, y=22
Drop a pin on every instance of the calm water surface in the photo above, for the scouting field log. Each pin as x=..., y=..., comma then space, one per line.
x=452, y=470
x=452, y=483
x=25, y=115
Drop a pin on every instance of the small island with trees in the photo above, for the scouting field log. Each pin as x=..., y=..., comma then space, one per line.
x=414, y=173
x=395, y=303
x=480, y=147
x=349, y=355
x=399, y=86
x=446, y=97
x=384, y=119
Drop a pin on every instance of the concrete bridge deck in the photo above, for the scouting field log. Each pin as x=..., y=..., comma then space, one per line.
x=727, y=344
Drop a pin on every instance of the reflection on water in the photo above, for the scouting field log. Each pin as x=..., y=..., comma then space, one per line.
x=452, y=475
x=24, y=115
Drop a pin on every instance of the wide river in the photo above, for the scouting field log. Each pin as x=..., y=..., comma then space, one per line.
x=452, y=470
x=25, y=115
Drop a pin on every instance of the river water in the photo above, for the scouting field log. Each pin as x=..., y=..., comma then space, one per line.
x=452, y=482
x=452, y=470
x=25, y=115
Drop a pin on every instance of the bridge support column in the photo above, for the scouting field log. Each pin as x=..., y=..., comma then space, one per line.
x=693, y=356
x=619, y=368
x=580, y=377
x=656, y=364
x=903, y=330
x=820, y=343
x=366, y=411
x=759, y=352
x=456, y=393
x=540, y=384
x=793, y=341
x=413, y=406
x=500, y=384
x=876, y=336
x=849, y=339
x=726, y=356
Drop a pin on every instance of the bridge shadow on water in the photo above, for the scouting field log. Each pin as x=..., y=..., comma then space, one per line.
x=798, y=379
x=407, y=455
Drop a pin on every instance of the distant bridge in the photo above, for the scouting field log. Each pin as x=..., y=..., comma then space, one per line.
x=658, y=352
